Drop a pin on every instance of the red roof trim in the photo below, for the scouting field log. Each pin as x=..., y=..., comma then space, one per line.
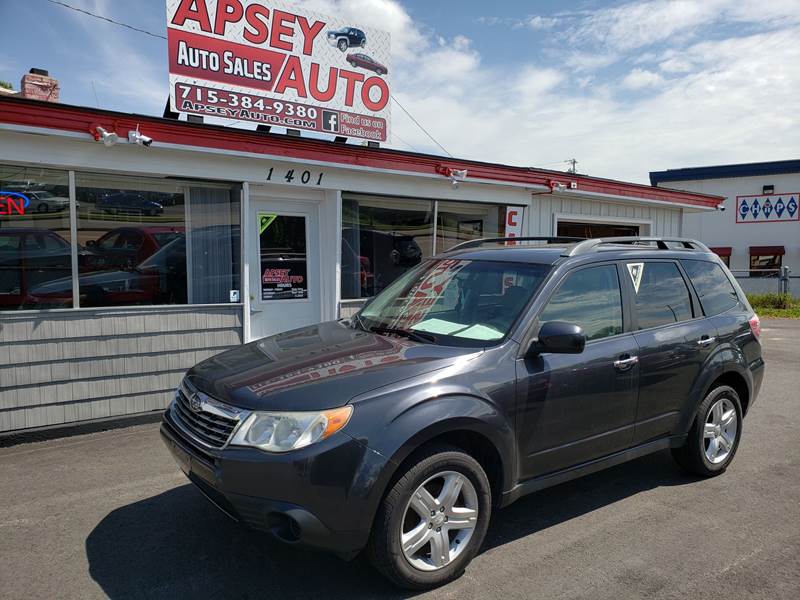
x=767, y=250
x=79, y=119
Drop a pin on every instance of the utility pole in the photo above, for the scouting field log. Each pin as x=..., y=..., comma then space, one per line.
x=573, y=165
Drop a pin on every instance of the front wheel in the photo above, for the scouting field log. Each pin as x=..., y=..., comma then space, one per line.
x=433, y=520
x=343, y=45
x=714, y=437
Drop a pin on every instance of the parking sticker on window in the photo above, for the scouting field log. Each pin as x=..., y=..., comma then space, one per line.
x=636, y=270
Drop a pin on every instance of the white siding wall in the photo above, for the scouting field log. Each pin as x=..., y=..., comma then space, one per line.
x=663, y=221
x=720, y=228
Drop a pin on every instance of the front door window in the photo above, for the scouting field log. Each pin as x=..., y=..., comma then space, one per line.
x=283, y=257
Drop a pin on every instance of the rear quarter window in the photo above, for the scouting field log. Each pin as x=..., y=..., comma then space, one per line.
x=713, y=287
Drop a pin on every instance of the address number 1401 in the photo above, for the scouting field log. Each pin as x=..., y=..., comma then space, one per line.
x=295, y=176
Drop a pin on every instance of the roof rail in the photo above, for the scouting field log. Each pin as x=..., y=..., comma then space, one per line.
x=486, y=241
x=662, y=243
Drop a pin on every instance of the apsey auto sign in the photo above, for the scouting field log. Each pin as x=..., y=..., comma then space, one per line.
x=273, y=63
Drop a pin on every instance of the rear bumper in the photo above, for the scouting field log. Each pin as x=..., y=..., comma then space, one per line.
x=311, y=498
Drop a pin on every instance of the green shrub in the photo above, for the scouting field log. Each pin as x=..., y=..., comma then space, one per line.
x=780, y=301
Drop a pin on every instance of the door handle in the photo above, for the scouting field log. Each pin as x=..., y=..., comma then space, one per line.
x=623, y=364
x=706, y=341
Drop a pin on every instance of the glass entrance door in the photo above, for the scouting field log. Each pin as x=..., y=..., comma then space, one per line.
x=284, y=267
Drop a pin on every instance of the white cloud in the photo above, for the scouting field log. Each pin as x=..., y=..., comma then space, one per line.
x=638, y=24
x=641, y=78
x=676, y=65
x=537, y=22
x=589, y=61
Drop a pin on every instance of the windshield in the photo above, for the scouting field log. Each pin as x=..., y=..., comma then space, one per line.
x=456, y=302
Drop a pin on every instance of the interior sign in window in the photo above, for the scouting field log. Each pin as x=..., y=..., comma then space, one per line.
x=12, y=203
x=284, y=259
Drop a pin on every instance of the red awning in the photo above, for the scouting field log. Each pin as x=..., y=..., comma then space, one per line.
x=727, y=251
x=767, y=250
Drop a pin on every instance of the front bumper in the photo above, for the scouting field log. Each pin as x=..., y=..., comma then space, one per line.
x=321, y=496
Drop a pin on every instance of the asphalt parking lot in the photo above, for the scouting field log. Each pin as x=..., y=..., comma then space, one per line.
x=110, y=515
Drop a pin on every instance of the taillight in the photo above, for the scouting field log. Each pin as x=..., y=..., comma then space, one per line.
x=755, y=326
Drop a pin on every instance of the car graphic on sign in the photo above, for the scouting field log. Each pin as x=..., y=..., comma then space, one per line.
x=365, y=61
x=346, y=38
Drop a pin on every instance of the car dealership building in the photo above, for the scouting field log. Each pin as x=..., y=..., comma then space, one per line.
x=122, y=264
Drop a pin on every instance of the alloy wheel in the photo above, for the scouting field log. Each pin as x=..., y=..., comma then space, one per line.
x=439, y=521
x=720, y=431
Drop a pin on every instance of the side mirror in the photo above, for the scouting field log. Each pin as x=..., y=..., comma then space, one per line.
x=558, y=337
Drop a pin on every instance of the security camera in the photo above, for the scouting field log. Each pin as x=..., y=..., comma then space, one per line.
x=721, y=207
x=135, y=137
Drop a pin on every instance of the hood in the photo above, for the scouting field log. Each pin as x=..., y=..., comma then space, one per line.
x=315, y=368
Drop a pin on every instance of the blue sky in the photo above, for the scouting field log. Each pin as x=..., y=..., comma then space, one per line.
x=625, y=87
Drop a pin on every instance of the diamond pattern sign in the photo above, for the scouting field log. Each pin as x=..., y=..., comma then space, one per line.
x=771, y=208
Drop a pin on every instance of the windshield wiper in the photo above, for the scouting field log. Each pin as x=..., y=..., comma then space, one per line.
x=417, y=336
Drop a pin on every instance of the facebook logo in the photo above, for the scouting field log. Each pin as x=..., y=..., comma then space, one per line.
x=330, y=121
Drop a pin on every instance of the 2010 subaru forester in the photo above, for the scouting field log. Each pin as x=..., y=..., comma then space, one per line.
x=477, y=377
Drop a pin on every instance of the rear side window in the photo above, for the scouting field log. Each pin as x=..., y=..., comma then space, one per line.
x=662, y=297
x=590, y=298
x=715, y=290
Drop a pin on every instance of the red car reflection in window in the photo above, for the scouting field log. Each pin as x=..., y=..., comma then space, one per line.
x=364, y=61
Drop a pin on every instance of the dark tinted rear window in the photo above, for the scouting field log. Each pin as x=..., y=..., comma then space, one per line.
x=712, y=286
x=662, y=297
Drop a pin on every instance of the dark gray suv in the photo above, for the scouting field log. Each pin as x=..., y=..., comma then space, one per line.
x=479, y=376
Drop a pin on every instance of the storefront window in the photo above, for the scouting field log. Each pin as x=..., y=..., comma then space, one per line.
x=135, y=247
x=382, y=238
x=766, y=261
x=34, y=236
x=459, y=222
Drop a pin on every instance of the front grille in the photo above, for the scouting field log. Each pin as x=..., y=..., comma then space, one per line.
x=211, y=429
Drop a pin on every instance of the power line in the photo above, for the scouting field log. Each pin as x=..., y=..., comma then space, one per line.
x=102, y=18
x=418, y=124
x=159, y=36
x=414, y=148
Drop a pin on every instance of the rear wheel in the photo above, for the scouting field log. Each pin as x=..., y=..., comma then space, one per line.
x=714, y=437
x=433, y=520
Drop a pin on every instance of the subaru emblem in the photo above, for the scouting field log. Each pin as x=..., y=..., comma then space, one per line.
x=195, y=403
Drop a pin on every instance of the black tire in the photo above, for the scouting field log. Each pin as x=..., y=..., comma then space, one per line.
x=42, y=208
x=692, y=455
x=343, y=45
x=384, y=550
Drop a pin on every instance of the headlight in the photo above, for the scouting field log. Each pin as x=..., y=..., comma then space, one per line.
x=286, y=431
